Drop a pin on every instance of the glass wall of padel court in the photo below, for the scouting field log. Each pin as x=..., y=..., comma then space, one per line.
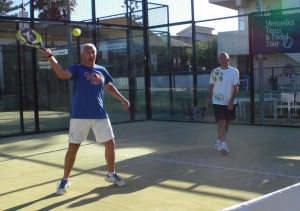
x=163, y=74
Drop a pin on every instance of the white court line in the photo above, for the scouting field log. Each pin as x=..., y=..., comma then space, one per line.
x=197, y=164
x=182, y=131
x=216, y=167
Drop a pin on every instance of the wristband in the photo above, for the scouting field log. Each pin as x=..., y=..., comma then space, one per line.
x=49, y=56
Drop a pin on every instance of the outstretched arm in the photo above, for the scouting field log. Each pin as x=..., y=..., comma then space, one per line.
x=114, y=92
x=58, y=70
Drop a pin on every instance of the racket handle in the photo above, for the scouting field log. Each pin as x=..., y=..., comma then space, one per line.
x=49, y=56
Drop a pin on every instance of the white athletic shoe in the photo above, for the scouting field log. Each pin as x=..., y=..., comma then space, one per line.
x=224, y=149
x=115, y=179
x=62, y=187
x=217, y=145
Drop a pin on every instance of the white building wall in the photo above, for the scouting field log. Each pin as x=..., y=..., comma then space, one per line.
x=234, y=42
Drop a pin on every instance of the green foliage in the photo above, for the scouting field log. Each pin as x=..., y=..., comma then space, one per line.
x=47, y=9
x=132, y=8
x=55, y=10
x=207, y=53
x=6, y=6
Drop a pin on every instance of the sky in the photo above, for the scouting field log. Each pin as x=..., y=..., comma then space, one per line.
x=179, y=11
x=207, y=11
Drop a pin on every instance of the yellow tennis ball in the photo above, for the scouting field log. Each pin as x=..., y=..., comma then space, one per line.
x=76, y=32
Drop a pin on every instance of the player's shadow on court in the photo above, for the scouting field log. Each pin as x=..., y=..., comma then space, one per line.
x=134, y=184
x=22, y=206
x=147, y=172
x=139, y=181
x=101, y=192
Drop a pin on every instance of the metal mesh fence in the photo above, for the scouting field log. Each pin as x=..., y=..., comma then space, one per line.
x=171, y=53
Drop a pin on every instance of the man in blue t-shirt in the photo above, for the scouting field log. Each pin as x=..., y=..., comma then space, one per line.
x=88, y=110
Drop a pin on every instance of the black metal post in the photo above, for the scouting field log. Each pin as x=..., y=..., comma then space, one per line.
x=78, y=49
x=21, y=70
x=94, y=22
x=194, y=68
x=147, y=61
x=170, y=67
x=130, y=66
x=34, y=76
x=251, y=68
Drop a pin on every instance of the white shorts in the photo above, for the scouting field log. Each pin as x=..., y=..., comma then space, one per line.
x=79, y=130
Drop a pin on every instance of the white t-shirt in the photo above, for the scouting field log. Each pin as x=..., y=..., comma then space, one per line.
x=223, y=81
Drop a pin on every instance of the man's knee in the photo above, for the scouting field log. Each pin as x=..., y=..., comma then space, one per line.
x=109, y=144
x=222, y=122
x=73, y=148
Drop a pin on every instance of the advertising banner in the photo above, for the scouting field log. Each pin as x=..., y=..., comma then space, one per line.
x=276, y=34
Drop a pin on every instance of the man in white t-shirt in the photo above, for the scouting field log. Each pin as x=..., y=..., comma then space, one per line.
x=224, y=82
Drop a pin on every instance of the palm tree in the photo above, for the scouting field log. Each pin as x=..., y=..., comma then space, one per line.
x=132, y=7
x=6, y=6
x=51, y=9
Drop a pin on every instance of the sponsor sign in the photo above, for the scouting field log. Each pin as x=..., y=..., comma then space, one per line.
x=276, y=34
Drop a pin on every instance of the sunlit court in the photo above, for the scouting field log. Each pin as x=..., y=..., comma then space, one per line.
x=170, y=77
x=166, y=165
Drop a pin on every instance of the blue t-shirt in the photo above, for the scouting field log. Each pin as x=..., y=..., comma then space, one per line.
x=88, y=102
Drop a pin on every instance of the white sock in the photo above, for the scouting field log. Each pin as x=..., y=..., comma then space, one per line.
x=111, y=173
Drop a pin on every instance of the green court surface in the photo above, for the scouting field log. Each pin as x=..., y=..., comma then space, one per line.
x=166, y=165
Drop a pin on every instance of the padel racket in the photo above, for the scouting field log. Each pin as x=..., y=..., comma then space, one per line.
x=198, y=113
x=30, y=37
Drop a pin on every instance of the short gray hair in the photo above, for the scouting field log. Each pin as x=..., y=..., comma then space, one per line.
x=224, y=53
x=87, y=45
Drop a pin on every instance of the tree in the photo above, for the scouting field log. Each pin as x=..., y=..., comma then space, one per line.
x=6, y=7
x=207, y=56
x=49, y=9
x=55, y=10
x=132, y=7
x=207, y=53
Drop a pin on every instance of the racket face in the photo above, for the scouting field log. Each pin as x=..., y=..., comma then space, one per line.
x=198, y=113
x=30, y=38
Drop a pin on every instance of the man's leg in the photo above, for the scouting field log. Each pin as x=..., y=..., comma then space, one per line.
x=69, y=163
x=222, y=132
x=112, y=176
x=70, y=159
x=110, y=155
x=222, y=129
x=226, y=128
